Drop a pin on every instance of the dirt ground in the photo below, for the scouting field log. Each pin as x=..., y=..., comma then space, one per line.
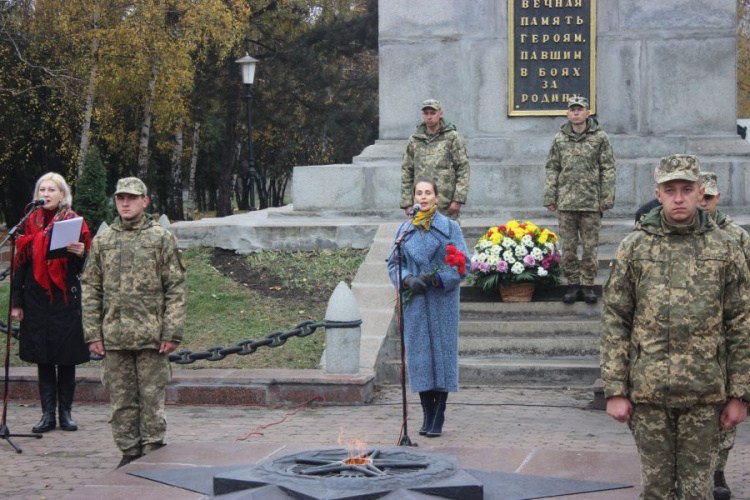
x=236, y=267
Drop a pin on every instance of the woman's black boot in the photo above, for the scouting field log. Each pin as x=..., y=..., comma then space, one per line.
x=427, y=398
x=47, y=397
x=66, y=388
x=439, y=419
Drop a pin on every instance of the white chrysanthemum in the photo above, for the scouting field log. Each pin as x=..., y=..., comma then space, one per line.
x=484, y=244
x=493, y=260
x=517, y=268
x=521, y=251
x=507, y=255
x=537, y=253
x=508, y=242
x=542, y=272
x=527, y=240
x=495, y=250
x=479, y=257
x=550, y=246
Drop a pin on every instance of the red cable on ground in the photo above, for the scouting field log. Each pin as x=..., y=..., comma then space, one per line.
x=299, y=407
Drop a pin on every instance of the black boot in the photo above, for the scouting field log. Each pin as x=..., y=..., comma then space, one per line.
x=66, y=388
x=589, y=295
x=571, y=295
x=437, y=423
x=427, y=398
x=721, y=490
x=47, y=397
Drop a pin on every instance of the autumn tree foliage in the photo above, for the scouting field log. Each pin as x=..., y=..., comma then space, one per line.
x=154, y=85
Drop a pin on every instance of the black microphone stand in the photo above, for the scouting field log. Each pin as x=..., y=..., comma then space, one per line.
x=4, y=430
x=404, y=440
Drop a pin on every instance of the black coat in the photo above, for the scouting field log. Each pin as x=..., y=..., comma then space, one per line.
x=51, y=332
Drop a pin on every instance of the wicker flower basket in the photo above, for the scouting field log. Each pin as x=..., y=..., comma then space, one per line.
x=517, y=292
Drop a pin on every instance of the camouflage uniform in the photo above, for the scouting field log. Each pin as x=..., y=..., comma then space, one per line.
x=580, y=180
x=725, y=223
x=675, y=297
x=441, y=157
x=134, y=298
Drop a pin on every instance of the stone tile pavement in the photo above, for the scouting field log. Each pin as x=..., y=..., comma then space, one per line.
x=532, y=431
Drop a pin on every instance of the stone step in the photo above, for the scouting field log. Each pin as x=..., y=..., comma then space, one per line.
x=505, y=370
x=508, y=311
x=529, y=347
x=550, y=328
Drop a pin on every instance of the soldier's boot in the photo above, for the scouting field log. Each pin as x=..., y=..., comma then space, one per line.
x=571, y=295
x=66, y=388
x=427, y=398
x=589, y=295
x=439, y=419
x=152, y=447
x=126, y=459
x=721, y=490
x=47, y=397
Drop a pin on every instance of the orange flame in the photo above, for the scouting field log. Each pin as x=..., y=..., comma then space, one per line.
x=356, y=449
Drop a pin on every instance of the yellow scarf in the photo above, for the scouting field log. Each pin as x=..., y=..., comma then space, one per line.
x=423, y=219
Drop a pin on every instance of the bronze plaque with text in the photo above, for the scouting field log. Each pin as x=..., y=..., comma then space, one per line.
x=551, y=55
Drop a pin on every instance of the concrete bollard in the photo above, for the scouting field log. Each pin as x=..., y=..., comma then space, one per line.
x=164, y=221
x=342, y=344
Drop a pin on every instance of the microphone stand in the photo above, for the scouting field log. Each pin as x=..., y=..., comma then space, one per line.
x=4, y=430
x=404, y=439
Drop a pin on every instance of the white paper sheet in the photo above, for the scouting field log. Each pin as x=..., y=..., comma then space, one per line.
x=65, y=232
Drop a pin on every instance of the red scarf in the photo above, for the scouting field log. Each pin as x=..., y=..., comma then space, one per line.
x=35, y=242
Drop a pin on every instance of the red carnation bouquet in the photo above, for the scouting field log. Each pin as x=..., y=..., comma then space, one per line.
x=456, y=258
x=453, y=258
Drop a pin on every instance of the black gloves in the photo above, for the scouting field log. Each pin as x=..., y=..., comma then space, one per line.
x=418, y=284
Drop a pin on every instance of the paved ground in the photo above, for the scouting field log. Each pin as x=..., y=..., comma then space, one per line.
x=532, y=431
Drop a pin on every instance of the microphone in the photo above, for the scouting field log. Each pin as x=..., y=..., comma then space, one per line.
x=414, y=210
x=38, y=203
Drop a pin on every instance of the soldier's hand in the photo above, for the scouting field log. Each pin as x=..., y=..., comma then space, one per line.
x=454, y=207
x=619, y=408
x=734, y=413
x=552, y=207
x=97, y=347
x=167, y=346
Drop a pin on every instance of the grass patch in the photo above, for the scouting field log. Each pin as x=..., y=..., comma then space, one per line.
x=253, y=296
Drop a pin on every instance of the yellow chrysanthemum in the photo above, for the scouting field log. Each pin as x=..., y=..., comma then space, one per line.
x=496, y=238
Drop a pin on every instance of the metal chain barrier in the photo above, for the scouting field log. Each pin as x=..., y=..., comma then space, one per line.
x=243, y=348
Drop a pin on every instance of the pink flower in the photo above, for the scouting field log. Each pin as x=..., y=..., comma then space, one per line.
x=502, y=267
x=546, y=262
x=529, y=261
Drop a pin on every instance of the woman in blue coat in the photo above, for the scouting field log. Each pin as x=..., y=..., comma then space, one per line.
x=431, y=315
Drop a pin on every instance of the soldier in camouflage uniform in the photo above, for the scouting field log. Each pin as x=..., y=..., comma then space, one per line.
x=675, y=345
x=710, y=201
x=580, y=185
x=133, y=314
x=436, y=151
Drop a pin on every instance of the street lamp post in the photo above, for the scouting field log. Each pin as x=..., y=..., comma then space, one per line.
x=247, y=64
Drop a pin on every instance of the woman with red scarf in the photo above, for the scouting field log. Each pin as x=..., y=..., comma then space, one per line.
x=46, y=300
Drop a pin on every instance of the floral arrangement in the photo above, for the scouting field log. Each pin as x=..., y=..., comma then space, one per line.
x=453, y=258
x=513, y=253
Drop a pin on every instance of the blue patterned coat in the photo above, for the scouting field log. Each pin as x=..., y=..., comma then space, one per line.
x=431, y=319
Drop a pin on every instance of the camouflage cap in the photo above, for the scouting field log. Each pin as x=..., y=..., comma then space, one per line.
x=432, y=103
x=710, y=183
x=131, y=185
x=678, y=167
x=578, y=100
